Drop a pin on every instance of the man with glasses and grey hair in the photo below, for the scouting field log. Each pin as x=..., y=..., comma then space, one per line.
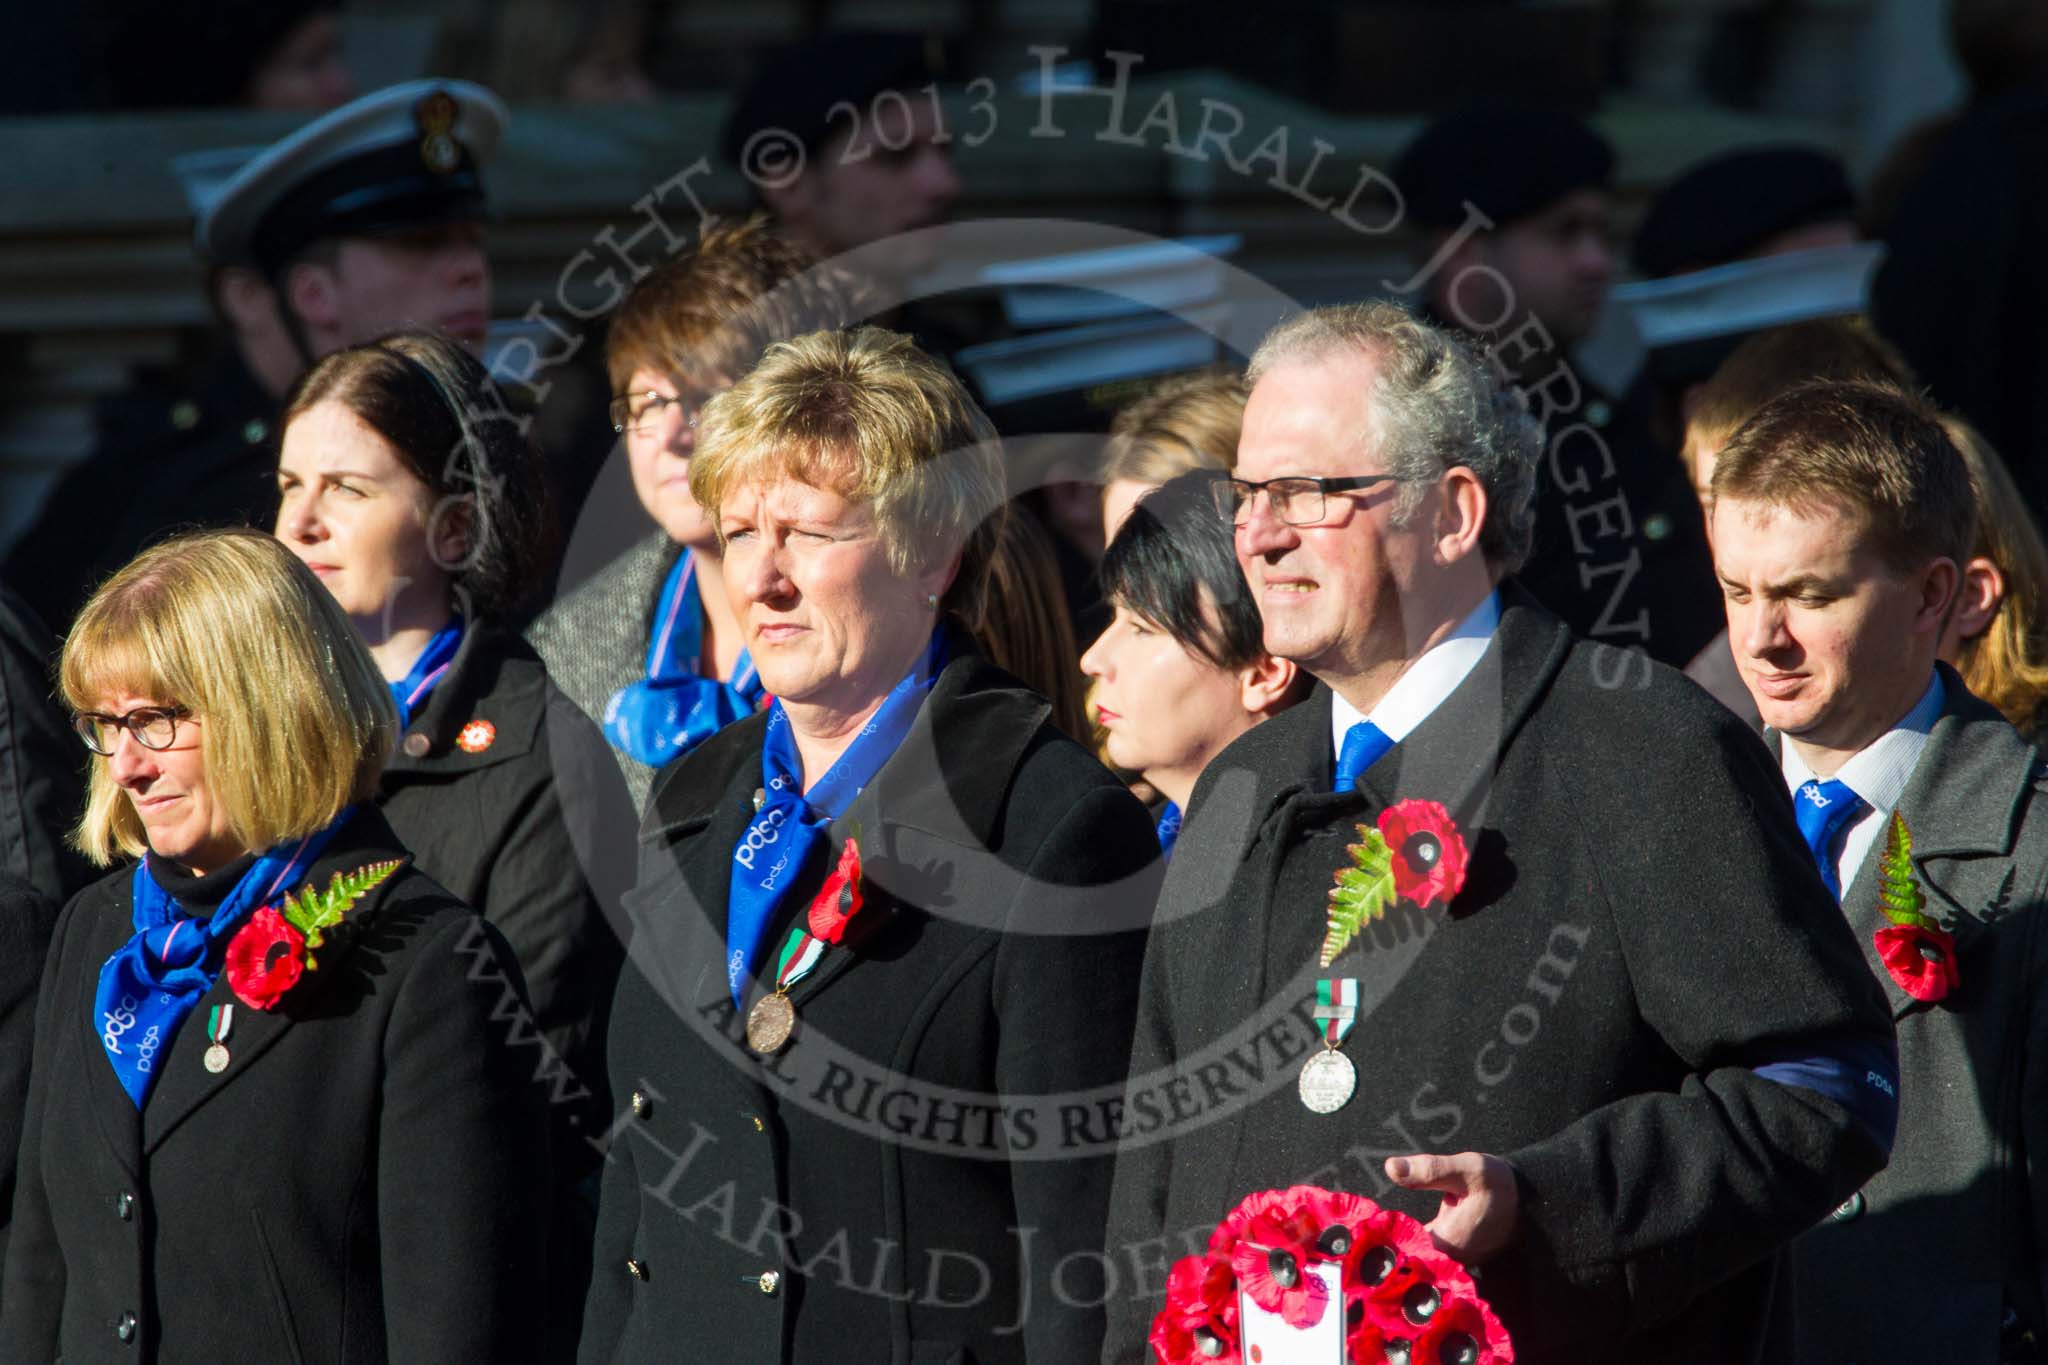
x=1599, y=1020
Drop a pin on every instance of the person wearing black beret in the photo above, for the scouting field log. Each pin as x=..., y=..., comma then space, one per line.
x=277, y=1110
x=217, y=54
x=834, y=182
x=1514, y=208
x=1754, y=201
x=365, y=220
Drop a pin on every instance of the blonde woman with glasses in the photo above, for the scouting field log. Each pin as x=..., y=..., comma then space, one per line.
x=273, y=1115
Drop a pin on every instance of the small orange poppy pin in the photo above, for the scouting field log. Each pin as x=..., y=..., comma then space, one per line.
x=476, y=737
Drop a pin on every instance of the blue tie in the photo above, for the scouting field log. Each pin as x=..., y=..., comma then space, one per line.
x=1822, y=809
x=1364, y=745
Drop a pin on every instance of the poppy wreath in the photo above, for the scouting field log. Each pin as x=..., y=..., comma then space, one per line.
x=1916, y=951
x=1414, y=852
x=269, y=954
x=1404, y=1302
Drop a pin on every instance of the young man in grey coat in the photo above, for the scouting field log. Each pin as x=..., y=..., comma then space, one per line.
x=1842, y=514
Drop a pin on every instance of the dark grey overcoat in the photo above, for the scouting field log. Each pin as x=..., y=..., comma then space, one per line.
x=1922, y=1261
x=1640, y=934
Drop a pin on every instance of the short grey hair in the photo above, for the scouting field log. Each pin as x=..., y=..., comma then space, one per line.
x=1435, y=403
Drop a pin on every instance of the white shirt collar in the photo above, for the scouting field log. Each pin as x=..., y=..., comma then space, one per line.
x=1422, y=687
x=1878, y=772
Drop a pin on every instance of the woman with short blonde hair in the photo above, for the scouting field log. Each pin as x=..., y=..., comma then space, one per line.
x=1185, y=423
x=269, y=1069
x=958, y=893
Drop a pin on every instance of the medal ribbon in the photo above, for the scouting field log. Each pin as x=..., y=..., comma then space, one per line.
x=1337, y=1008
x=801, y=951
x=155, y=980
x=672, y=710
x=219, y=1020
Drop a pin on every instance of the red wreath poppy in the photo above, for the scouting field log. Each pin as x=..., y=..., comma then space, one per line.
x=1429, y=854
x=1464, y=1330
x=1277, y=1277
x=265, y=959
x=1921, y=959
x=1269, y=1217
x=1392, y=1257
x=838, y=900
x=1365, y=1341
x=1199, y=1322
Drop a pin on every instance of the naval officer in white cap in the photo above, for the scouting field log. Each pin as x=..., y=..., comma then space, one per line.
x=365, y=221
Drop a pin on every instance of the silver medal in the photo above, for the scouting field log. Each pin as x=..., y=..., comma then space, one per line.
x=1327, y=1081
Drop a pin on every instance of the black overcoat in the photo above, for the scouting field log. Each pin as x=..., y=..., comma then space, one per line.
x=1923, y=1261
x=902, y=1182
x=507, y=795
x=497, y=787
x=363, y=1183
x=26, y=919
x=1640, y=928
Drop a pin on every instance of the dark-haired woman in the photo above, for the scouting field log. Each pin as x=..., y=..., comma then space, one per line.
x=1182, y=669
x=407, y=488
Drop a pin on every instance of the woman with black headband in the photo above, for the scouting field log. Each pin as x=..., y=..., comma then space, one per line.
x=407, y=487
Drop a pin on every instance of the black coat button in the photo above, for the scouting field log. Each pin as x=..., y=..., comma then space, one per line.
x=642, y=1106
x=770, y=1281
x=1850, y=1208
x=124, y=1206
x=417, y=744
x=125, y=1328
x=637, y=1269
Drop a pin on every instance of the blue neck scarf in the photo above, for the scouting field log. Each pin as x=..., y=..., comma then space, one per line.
x=672, y=710
x=1168, y=829
x=159, y=976
x=412, y=691
x=790, y=828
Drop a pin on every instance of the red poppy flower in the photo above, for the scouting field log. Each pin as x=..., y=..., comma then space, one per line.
x=265, y=959
x=1463, y=1331
x=1921, y=959
x=1279, y=1215
x=838, y=900
x=1429, y=854
x=1365, y=1342
x=1199, y=1322
x=1392, y=1258
x=1278, y=1279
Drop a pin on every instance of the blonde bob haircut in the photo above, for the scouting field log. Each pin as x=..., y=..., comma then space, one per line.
x=869, y=416
x=295, y=721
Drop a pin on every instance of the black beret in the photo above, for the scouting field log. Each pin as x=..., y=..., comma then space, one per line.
x=1510, y=161
x=1724, y=208
x=797, y=84
x=193, y=54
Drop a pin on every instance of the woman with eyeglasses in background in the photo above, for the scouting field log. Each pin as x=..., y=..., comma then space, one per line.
x=648, y=646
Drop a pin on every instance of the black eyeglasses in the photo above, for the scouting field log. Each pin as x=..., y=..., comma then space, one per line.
x=638, y=413
x=1298, y=500
x=154, y=727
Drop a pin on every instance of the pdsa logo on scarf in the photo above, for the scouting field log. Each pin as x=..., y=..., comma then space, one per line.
x=760, y=834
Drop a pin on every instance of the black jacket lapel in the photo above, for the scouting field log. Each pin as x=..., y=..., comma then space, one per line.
x=186, y=1084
